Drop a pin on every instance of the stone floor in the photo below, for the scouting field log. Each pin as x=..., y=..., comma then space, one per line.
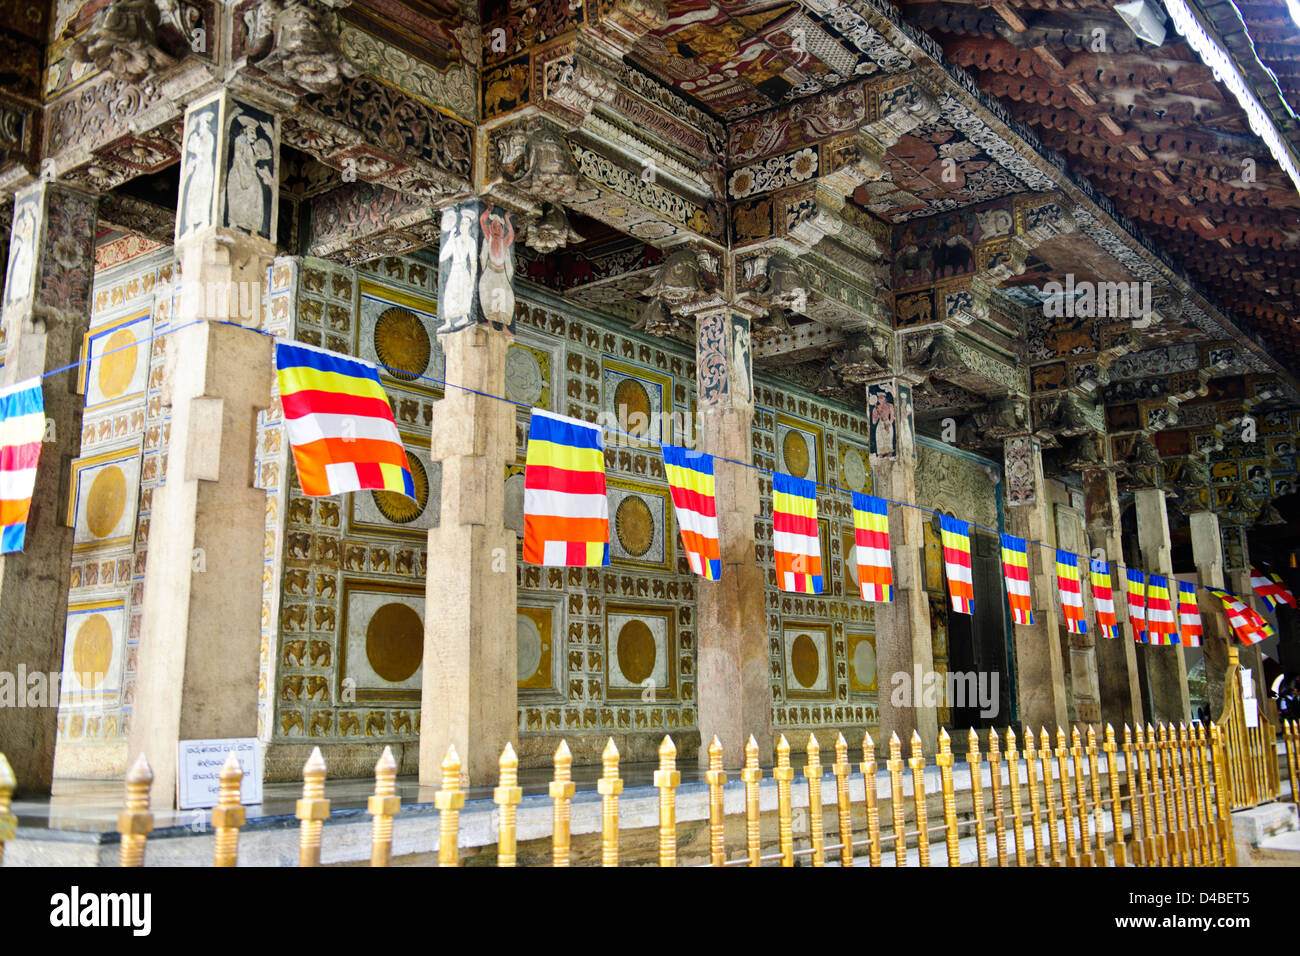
x=91, y=806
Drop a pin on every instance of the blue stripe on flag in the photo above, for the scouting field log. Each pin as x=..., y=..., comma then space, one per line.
x=573, y=434
x=790, y=485
x=288, y=355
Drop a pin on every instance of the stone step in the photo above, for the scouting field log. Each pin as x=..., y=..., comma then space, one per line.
x=1258, y=824
x=1282, y=849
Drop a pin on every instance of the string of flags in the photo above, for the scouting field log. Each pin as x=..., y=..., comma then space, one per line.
x=344, y=438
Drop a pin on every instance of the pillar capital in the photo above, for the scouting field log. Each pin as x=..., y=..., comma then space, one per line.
x=230, y=172
x=476, y=266
x=51, y=254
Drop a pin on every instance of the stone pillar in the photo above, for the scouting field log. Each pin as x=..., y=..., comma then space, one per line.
x=198, y=665
x=469, y=692
x=903, y=638
x=732, y=683
x=1166, y=667
x=1040, y=671
x=1084, y=699
x=1207, y=552
x=1117, y=673
x=46, y=315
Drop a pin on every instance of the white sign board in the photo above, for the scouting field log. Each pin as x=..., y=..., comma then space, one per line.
x=198, y=778
x=1252, y=711
x=1247, y=684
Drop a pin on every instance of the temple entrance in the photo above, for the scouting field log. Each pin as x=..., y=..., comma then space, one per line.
x=977, y=656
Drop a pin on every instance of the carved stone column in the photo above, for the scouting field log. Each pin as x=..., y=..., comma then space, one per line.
x=201, y=636
x=1040, y=673
x=903, y=638
x=1207, y=552
x=1166, y=667
x=1084, y=699
x=732, y=655
x=470, y=645
x=1117, y=673
x=46, y=316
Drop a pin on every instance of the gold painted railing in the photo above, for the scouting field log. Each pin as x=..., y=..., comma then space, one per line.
x=1152, y=797
x=1252, y=751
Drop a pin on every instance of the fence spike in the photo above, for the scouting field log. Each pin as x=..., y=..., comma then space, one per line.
x=1094, y=778
x=449, y=799
x=895, y=766
x=1291, y=734
x=869, y=792
x=1067, y=803
x=228, y=814
x=312, y=809
x=717, y=779
x=973, y=761
x=812, y=773
x=784, y=773
x=1118, y=851
x=666, y=778
x=134, y=823
x=752, y=774
x=507, y=795
x=561, y=791
x=1017, y=812
x=8, y=821
x=383, y=805
x=842, y=772
x=944, y=758
x=999, y=806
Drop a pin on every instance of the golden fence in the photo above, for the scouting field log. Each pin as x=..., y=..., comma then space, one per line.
x=1147, y=798
x=1251, y=751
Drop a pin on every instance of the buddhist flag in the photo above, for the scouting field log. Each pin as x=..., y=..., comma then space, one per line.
x=956, y=561
x=1266, y=588
x=1189, y=615
x=690, y=479
x=1283, y=591
x=1103, y=598
x=794, y=534
x=871, y=547
x=1067, y=582
x=1137, y=603
x=1162, y=626
x=339, y=423
x=566, y=514
x=1015, y=570
x=22, y=427
x=1244, y=620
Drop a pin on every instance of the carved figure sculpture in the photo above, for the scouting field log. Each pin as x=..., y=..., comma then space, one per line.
x=298, y=41
x=122, y=39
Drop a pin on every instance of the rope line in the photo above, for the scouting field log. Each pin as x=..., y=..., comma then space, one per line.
x=605, y=429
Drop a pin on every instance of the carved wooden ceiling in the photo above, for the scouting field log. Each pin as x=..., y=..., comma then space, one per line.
x=1151, y=128
x=739, y=58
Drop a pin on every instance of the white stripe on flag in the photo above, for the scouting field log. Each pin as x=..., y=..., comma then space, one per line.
x=957, y=572
x=316, y=426
x=700, y=524
x=17, y=485
x=870, y=556
x=563, y=504
x=795, y=543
